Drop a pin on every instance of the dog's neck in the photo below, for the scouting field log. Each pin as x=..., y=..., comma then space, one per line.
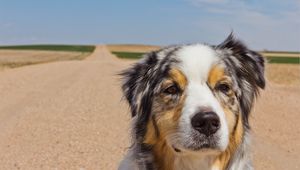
x=168, y=158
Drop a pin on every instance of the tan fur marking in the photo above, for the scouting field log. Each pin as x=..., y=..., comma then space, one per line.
x=215, y=75
x=234, y=141
x=230, y=118
x=150, y=137
x=164, y=156
x=167, y=122
x=178, y=77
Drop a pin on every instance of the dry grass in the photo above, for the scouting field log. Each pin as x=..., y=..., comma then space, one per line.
x=17, y=58
x=280, y=54
x=283, y=74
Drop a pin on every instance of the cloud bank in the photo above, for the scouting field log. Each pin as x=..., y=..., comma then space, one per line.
x=270, y=23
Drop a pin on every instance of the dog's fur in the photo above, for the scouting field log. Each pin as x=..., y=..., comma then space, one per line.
x=166, y=89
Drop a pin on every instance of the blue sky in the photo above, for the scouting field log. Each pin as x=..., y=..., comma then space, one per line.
x=268, y=24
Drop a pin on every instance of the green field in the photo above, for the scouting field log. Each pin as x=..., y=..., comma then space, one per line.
x=270, y=59
x=282, y=52
x=283, y=60
x=73, y=48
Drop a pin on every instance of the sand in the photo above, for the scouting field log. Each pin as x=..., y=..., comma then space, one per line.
x=69, y=115
x=132, y=48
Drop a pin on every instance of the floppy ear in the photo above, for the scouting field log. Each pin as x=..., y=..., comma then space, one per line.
x=251, y=63
x=248, y=67
x=135, y=80
x=131, y=78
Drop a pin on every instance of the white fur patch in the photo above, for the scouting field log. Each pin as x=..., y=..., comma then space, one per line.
x=195, y=62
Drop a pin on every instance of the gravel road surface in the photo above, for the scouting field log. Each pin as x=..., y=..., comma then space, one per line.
x=69, y=115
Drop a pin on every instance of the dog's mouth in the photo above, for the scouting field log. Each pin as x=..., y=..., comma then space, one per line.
x=176, y=149
x=194, y=143
x=203, y=148
x=196, y=146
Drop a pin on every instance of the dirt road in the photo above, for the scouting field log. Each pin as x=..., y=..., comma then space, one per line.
x=69, y=115
x=63, y=115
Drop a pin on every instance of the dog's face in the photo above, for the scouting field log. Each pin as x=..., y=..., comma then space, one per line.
x=195, y=98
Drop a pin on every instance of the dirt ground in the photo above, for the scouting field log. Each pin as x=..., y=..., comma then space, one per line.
x=133, y=48
x=69, y=115
x=284, y=74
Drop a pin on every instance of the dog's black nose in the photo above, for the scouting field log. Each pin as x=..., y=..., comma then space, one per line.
x=206, y=122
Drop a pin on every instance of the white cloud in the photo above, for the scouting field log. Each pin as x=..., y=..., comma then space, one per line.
x=263, y=29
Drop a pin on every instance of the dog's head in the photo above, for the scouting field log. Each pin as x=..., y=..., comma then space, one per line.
x=194, y=97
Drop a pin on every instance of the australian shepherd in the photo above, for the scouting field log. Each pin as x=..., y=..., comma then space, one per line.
x=190, y=107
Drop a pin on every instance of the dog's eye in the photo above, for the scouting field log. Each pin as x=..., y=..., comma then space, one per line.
x=171, y=90
x=224, y=88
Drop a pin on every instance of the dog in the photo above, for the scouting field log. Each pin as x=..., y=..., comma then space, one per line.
x=190, y=106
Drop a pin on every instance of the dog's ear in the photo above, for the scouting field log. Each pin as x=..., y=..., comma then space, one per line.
x=248, y=67
x=130, y=81
x=136, y=80
x=250, y=63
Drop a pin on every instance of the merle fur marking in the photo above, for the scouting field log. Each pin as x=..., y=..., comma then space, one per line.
x=247, y=68
x=141, y=86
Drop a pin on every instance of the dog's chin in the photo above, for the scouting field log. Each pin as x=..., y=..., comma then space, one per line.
x=198, y=144
x=196, y=148
x=204, y=149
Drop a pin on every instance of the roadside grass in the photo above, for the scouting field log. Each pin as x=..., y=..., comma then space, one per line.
x=283, y=60
x=270, y=59
x=21, y=55
x=17, y=61
x=74, y=48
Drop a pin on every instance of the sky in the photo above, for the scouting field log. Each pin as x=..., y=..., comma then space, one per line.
x=263, y=25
